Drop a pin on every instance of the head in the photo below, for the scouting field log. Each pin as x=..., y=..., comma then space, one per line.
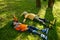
x=15, y=19
x=24, y=13
x=14, y=23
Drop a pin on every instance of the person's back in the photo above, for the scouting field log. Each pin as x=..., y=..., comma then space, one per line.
x=20, y=27
x=30, y=16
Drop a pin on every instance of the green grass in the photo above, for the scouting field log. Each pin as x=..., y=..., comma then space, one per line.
x=7, y=8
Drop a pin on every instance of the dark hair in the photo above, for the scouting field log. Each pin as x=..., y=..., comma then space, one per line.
x=15, y=21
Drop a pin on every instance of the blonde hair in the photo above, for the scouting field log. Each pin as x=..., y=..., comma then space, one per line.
x=25, y=12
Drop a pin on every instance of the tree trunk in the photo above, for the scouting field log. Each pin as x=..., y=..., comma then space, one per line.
x=38, y=3
x=51, y=3
x=44, y=0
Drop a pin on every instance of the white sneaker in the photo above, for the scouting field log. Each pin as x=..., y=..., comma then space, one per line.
x=43, y=36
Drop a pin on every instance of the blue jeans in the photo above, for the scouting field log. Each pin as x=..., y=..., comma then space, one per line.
x=34, y=30
x=40, y=20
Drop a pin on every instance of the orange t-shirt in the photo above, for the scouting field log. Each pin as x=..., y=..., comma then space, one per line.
x=21, y=27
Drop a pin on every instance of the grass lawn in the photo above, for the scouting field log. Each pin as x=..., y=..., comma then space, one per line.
x=9, y=7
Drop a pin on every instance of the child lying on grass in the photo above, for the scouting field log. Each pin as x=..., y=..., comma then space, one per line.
x=23, y=27
x=35, y=18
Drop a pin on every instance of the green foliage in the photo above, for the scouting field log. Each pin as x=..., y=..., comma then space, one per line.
x=10, y=7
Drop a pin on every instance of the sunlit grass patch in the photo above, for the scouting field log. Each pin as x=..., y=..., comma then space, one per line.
x=56, y=9
x=58, y=32
x=10, y=7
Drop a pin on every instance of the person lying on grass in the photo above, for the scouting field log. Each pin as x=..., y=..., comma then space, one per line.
x=23, y=27
x=35, y=18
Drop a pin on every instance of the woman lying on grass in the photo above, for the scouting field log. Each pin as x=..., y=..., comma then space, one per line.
x=35, y=18
x=23, y=27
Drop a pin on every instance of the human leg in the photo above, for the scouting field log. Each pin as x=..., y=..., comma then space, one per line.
x=35, y=32
x=37, y=19
x=32, y=27
x=50, y=23
x=45, y=20
x=42, y=35
x=45, y=30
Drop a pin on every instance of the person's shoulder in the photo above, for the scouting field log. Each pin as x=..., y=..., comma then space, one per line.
x=31, y=14
x=24, y=25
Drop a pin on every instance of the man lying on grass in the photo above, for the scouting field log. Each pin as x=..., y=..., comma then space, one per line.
x=35, y=18
x=23, y=27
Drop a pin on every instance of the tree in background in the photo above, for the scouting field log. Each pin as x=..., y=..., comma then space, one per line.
x=44, y=0
x=51, y=3
x=38, y=3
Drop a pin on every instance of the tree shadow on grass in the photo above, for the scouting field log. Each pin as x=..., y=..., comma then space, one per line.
x=58, y=0
x=52, y=35
x=8, y=33
x=49, y=15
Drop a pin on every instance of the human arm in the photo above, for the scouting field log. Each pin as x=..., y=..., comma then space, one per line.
x=25, y=18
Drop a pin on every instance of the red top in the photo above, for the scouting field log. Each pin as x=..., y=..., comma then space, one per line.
x=21, y=27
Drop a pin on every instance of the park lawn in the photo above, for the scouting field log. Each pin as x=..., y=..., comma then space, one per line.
x=8, y=8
